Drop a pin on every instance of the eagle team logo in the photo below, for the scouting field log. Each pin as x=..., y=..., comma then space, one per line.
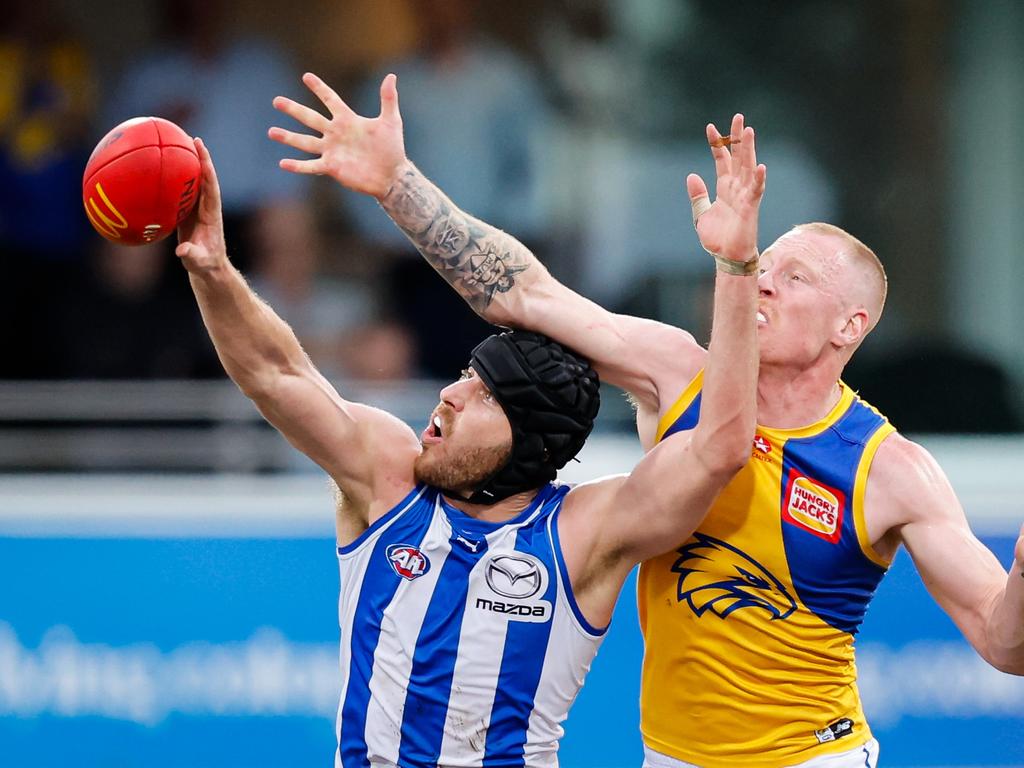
x=408, y=561
x=717, y=577
x=814, y=506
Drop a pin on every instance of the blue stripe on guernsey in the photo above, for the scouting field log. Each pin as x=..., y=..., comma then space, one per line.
x=522, y=662
x=562, y=569
x=687, y=419
x=433, y=664
x=379, y=586
x=829, y=571
x=474, y=528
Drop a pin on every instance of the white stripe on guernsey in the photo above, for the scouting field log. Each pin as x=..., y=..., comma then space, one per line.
x=478, y=664
x=352, y=569
x=475, y=677
x=352, y=573
x=393, y=657
x=558, y=686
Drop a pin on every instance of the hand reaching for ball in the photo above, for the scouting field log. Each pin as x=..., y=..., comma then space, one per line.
x=201, y=235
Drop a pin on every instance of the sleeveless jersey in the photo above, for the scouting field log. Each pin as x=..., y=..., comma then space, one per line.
x=461, y=641
x=749, y=625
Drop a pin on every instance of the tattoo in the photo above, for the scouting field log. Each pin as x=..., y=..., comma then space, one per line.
x=476, y=259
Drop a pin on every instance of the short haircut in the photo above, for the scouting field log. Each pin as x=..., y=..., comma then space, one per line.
x=863, y=258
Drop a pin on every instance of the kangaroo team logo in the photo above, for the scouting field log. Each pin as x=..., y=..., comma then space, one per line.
x=513, y=576
x=717, y=577
x=407, y=561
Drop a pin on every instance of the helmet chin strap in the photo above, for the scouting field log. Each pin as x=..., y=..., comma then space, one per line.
x=482, y=494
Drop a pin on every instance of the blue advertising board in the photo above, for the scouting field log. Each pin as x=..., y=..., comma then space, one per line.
x=122, y=648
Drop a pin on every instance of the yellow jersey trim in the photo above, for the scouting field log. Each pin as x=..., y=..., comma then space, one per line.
x=680, y=405
x=846, y=397
x=860, y=486
x=686, y=399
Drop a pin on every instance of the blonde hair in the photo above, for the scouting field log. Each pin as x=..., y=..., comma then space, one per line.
x=863, y=258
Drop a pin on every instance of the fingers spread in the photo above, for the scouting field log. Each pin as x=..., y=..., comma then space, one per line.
x=300, y=141
x=698, y=192
x=749, y=148
x=718, y=151
x=389, y=98
x=327, y=96
x=314, y=167
x=736, y=144
x=308, y=117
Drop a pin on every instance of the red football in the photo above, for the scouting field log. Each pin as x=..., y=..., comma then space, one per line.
x=141, y=181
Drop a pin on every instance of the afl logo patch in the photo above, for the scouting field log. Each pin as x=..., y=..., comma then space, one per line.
x=407, y=561
x=514, y=576
x=814, y=507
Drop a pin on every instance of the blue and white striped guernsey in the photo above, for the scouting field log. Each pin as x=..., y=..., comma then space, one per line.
x=461, y=642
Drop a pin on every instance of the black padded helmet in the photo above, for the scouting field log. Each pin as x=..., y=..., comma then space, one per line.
x=551, y=397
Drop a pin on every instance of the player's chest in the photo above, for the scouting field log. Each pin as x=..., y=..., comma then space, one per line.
x=479, y=580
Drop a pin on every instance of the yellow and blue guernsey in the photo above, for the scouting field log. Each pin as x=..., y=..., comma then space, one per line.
x=749, y=625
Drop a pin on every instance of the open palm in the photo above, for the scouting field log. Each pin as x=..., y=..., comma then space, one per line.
x=728, y=226
x=362, y=153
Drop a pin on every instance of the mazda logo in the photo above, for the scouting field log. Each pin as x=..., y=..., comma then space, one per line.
x=511, y=576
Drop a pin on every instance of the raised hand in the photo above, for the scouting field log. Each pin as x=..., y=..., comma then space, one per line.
x=728, y=227
x=362, y=153
x=201, y=235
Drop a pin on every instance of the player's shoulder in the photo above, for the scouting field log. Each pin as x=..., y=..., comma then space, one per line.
x=671, y=355
x=387, y=431
x=904, y=474
x=585, y=503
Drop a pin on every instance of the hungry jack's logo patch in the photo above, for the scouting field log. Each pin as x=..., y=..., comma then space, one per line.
x=813, y=506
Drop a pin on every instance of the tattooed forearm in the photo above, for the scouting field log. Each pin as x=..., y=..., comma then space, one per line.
x=478, y=260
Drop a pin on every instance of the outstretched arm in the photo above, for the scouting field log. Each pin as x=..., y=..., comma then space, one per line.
x=495, y=273
x=909, y=491
x=622, y=521
x=671, y=490
x=262, y=355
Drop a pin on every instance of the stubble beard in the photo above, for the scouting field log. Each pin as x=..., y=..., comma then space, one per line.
x=463, y=471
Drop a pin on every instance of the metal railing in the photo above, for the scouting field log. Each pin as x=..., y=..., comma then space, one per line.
x=178, y=426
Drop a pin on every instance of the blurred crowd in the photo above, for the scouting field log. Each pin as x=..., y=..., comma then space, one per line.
x=570, y=124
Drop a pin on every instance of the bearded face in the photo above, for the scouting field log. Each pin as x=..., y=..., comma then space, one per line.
x=460, y=470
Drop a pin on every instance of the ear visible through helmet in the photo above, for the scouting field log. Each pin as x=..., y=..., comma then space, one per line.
x=551, y=397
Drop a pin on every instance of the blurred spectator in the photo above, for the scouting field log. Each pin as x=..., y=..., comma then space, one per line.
x=131, y=317
x=220, y=88
x=471, y=108
x=47, y=93
x=332, y=318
